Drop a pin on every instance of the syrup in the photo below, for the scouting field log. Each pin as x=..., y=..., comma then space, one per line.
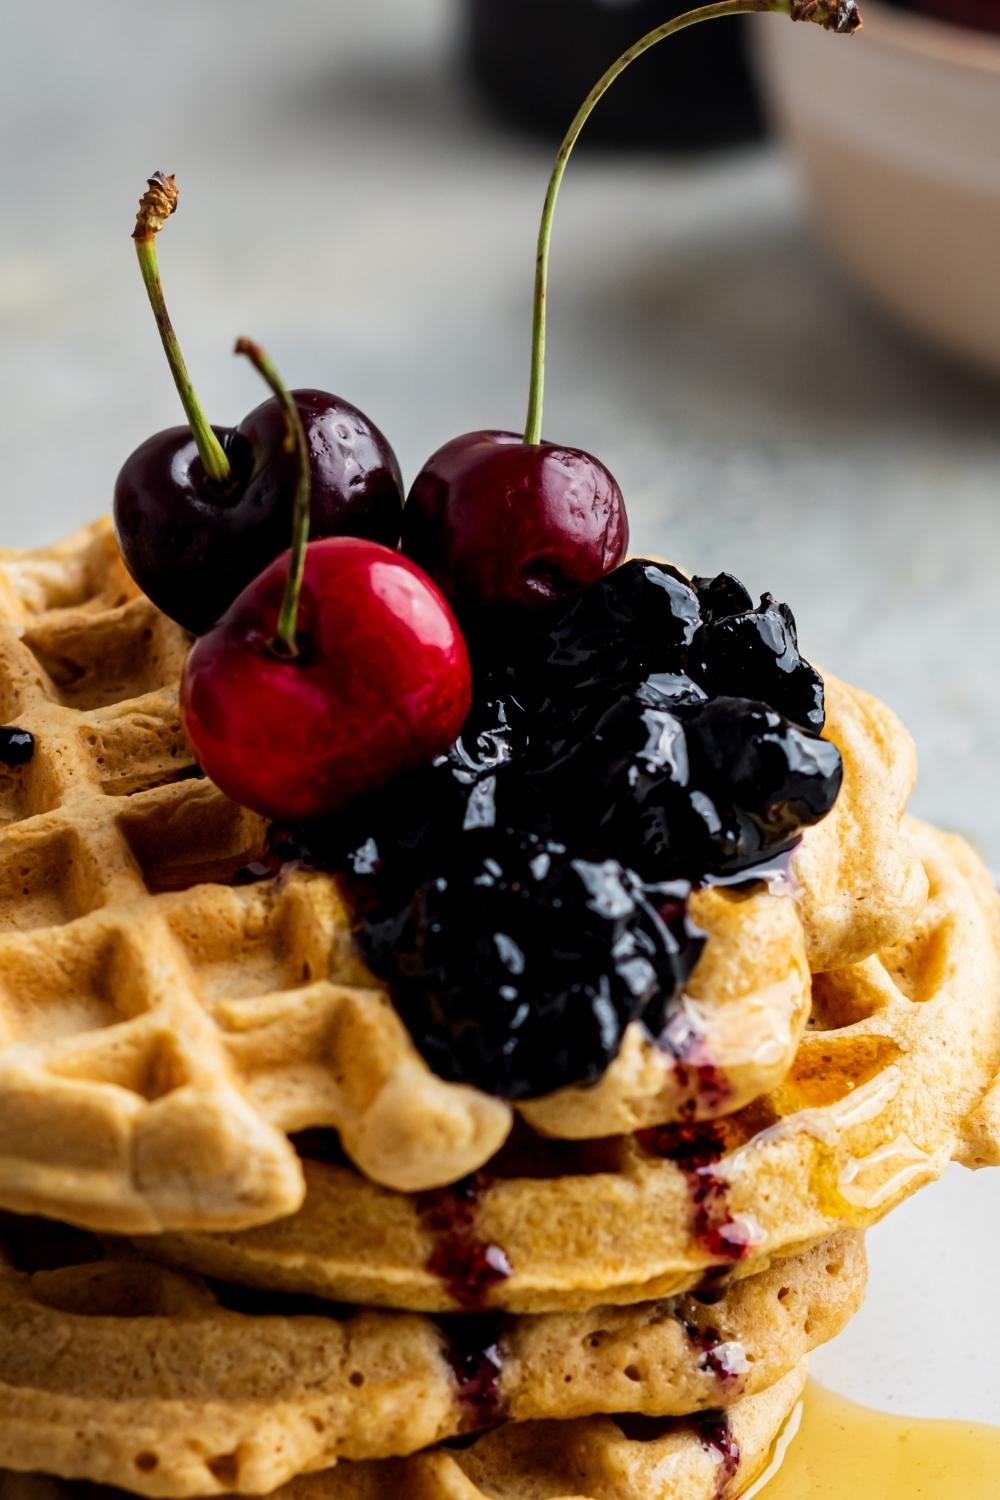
x=835, y=1450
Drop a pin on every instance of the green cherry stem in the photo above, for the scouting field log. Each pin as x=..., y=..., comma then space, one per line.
x=834, y=15
x=156, y=205
x=295, y=441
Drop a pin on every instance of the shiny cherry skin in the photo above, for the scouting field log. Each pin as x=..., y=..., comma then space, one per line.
x=192, y=546
x=506, y=528
x=381, y=683
x=981, y=15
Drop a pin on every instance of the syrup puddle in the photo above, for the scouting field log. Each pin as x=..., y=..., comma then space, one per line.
x=834, y=1450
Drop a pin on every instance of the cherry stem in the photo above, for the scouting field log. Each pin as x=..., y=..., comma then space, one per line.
x=833, y=15
x=155, y=207
x=295, y=441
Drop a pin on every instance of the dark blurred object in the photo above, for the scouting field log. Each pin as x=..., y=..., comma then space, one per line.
x=978, y=15
x=535, y=61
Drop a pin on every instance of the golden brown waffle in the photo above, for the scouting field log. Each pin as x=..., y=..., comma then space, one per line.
x=861, y=885
x=121, y=1372
x=596, y=1458
x=887, y=1088
x=592, y=1459
x=162, y=1031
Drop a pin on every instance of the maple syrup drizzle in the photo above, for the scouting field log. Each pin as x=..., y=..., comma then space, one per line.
x=835, y=1450
x=468, y=1265
x=696, y=1150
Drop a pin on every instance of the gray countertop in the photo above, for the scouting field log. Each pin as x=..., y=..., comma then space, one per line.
x=346, y=202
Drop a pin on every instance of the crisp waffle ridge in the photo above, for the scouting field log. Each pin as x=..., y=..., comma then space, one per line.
x=121, y=1372
x=595, y=1458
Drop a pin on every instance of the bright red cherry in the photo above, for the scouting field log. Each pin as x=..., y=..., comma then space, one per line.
x=507, y=526
x=380, y=683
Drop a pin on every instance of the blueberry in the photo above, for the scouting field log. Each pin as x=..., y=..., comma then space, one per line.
x=638, y=620
x=17, y=746
x=517, y=967
x=720, y=596
x=697, y=788
x=525, y=897
x=754, y=654
x=495, y=733
x=762, y=780
x=636, y=755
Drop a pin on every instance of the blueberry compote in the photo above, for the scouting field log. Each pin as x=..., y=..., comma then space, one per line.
x=526, y=897
x=17, y=746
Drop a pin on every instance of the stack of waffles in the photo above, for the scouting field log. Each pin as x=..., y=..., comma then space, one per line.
x=250, y=1243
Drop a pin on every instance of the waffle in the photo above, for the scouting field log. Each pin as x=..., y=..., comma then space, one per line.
x=861, y=885
x=594, y=1458
x=887, y=1088
x=597, y=1458
x=121, y=1372
x=163, y=1031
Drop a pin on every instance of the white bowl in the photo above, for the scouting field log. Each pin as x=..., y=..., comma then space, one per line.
x=897, y=131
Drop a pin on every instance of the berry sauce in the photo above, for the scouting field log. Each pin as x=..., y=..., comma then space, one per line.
x=17, y=746
x=639, y=1428
x=713, y=1285
x=696, y=1150
x=469, y=1267
x=474, y=1351
x=702, y=1081
x=716, y=1434
x=525, y=898
x=713, y=1348
x=712, y=1428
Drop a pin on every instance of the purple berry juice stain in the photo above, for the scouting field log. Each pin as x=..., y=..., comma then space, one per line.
x=468, y=1266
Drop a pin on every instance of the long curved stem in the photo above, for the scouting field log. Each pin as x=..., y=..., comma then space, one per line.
x=834, y=15
x=295, y=439
x=155, y=206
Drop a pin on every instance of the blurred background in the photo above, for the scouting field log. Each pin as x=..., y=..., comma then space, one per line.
x=360, y=191
x=785, y=346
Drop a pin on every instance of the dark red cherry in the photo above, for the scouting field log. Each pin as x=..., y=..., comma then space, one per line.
x=192, y=543
x=200, y=511
x=981, y=15
x=381, y=682
x=505, y=526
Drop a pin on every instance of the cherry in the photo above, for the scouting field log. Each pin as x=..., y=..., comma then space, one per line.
x=508, y=524
x=504, y=525
x=200, y=511
x=340, y=667
x=981, y=15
